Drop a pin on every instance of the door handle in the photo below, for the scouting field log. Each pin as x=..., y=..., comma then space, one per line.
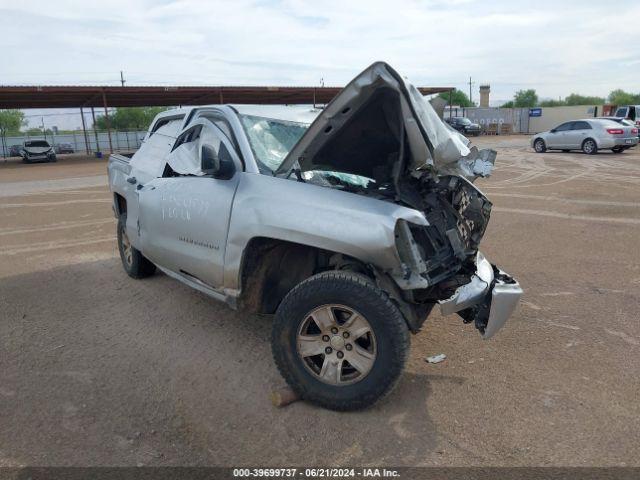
x=132, y=180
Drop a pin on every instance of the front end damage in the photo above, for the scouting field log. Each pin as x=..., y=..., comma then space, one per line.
x=380, y=138
x=441, y=263
x=488, y=300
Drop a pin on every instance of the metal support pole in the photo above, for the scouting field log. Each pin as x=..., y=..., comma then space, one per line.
x=95, y=132
x=106, y=114
x=84, y=132
x=450, y=105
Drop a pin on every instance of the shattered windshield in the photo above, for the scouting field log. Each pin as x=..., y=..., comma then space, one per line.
x=323, y=177
x=271, y=139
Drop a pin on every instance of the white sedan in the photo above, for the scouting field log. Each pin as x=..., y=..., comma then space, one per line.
x=588, y=135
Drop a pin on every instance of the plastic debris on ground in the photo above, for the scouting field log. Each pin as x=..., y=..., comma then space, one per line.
x=436, y=358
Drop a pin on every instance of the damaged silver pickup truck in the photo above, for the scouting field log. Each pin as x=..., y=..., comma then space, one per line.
x=349, y=224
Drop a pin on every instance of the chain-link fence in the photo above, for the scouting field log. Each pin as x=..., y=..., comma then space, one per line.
x=94, y=141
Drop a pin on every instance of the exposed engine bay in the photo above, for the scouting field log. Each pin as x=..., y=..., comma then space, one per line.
x=457, y=212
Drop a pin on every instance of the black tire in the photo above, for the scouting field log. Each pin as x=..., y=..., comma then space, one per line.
x=53, y=159
x=539, y=146
x=137, y=266
x=566, y=151
x=359, y=293
x=26, y=160
x=589, y=146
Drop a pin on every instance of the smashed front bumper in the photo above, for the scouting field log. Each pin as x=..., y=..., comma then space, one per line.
x=488, y=299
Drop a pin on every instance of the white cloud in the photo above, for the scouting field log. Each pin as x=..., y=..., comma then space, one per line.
x=556, y=47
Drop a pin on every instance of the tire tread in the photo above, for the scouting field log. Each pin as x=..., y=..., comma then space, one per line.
x=356, y=286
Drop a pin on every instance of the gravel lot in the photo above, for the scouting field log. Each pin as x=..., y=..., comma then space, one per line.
x=100, y=369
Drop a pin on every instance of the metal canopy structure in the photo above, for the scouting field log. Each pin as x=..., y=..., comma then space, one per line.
x=131, y=96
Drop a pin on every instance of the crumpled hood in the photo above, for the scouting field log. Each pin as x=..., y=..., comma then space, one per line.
x=380, y=102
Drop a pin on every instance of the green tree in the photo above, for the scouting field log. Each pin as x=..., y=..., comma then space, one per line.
x=35, y=131
x=129, y=118
x=508, y=104
x=458, y=97
x=620, y=97
x=525, y=98
x=576, y=99
x=552, y=103
x=11, y=121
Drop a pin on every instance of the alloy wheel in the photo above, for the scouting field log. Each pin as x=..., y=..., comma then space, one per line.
x=127, y=248
x=336, y=345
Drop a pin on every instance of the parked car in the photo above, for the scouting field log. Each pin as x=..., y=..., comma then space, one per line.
x=629, y=112
x=14, y=150
x=588, y=135
x=622, y=121
x=464, y=125
x=37, y=151
x=64, y=148
x=349, y=228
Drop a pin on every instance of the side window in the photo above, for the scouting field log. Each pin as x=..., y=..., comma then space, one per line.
x=621, y=112
x=167, y=126
x=188, y=136
x=564, y=127
x=214, y=138
x=150, y=157
x=220, y=122
x=581, y=126
x=186, y=156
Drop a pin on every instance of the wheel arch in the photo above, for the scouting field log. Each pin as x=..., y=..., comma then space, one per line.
x=119, y=204
x=271, y=267
x=539, y=138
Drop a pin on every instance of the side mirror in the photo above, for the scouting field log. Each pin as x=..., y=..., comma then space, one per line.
x=222, y=168
x=209, y=161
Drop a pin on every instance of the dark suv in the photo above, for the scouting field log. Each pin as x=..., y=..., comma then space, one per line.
x=464, y=125
x=64, y=148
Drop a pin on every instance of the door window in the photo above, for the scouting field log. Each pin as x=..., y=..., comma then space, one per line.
x=564, y=127
x=621, y=112
x=581, y=126
x=186, y=156
x=151, y=156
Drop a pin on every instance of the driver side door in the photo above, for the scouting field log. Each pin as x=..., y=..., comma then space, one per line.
x=184, y=216
x=559, y=137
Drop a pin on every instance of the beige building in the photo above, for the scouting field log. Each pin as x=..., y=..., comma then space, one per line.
x=553, y=116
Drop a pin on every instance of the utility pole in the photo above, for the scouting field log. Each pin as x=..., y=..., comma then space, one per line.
x=122, y=81
x=470, y=97
x=44, y=132
x=95, y=132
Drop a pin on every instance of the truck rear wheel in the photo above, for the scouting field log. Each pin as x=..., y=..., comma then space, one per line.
x=339, y=341
x=133, y=261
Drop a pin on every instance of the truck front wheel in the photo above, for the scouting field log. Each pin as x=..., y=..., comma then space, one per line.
x=133, y=261
x=339, y=341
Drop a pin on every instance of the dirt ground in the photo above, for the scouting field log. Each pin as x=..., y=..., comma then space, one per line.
x=100, y=369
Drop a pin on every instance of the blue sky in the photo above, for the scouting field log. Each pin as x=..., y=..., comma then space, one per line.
x=590, y=47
